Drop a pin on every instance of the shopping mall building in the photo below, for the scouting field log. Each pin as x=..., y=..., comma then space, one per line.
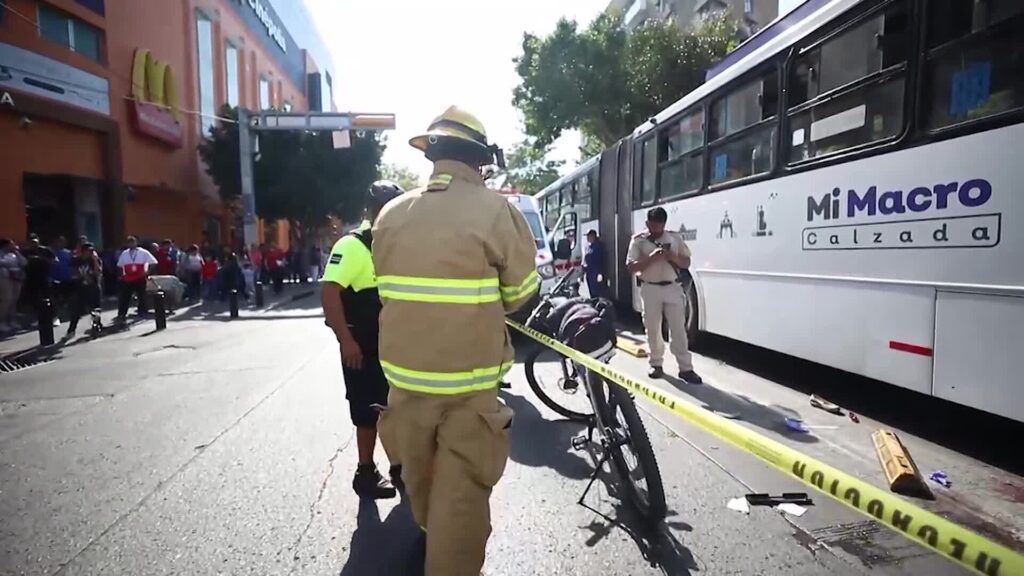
x=103, y=102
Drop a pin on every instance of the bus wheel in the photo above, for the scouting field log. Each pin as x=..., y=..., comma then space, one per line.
x=692, y=314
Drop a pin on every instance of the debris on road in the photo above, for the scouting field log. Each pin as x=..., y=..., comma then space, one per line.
x=739, y=505
x=797, y=425
x=822, y=404
x=900, y=470
x=791, y=509
x=940, y=478
x=762, y=499
x=853, y=417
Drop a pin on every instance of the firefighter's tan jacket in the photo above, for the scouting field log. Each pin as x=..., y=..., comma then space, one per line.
x=451, y=260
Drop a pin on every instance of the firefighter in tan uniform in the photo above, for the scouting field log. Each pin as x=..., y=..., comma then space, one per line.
x=452, y=260
x=656, y=257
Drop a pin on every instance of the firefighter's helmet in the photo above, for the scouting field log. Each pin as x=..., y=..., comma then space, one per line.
x=384, y=191
x=458, y=127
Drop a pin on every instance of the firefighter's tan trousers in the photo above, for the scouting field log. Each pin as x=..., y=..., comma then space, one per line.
x=670, y=302
x=453, y=450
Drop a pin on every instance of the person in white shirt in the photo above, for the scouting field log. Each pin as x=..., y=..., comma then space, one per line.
x=134, y=263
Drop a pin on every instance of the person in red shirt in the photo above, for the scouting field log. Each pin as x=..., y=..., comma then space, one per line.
x=166, y=265
x=209, y=273
x=275, y=266
x=134, y=263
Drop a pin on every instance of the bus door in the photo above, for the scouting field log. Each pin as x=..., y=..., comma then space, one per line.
x=564, y=243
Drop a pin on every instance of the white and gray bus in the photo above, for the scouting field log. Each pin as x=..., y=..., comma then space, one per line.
x=851, y=183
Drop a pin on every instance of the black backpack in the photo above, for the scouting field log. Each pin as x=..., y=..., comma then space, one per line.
x=585, y=324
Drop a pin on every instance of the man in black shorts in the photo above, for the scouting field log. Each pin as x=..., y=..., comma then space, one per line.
x=352, y=307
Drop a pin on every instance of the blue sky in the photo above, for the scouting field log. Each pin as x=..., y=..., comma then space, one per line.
x=417, y=57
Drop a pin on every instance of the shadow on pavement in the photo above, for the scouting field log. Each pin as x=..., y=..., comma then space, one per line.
x=392, y=547
x=659, y=546
x=740, y=407
x=965, y=430
x=536, y=441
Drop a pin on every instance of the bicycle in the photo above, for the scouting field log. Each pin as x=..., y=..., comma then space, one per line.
x=610, y=411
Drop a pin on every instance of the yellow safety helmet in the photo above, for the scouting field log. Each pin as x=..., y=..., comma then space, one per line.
x=457, y=124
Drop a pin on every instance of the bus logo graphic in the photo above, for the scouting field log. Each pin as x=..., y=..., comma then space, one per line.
x=971, y=194
x=687, y=234
x=981, y=231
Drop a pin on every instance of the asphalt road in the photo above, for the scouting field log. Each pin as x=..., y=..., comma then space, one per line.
x=219, y=447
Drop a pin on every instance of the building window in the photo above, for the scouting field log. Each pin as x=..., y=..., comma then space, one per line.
x=264, y=93
x=207, y=100
x=231, y=75
x=748, y=6
x=975, y=50
x=849, y=91
x=69, y=32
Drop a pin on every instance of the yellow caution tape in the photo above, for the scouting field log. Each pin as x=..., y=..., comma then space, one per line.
x=957, y=543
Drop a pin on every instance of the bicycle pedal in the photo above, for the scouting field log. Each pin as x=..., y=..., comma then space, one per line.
x=580, y=442
x=570, y=386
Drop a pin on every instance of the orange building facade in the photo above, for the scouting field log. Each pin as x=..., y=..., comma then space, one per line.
x=103, y=104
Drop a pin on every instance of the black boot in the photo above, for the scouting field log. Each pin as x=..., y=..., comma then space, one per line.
x=368, y=483
x=396, y=477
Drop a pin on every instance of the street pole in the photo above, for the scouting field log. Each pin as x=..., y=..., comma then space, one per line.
x=245, y=162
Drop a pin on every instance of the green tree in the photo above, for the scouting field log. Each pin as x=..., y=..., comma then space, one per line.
x=605, y=81
x=297, y=176
x=528, y=168
x=401, y=175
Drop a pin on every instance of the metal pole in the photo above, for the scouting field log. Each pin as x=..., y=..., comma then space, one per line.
x=259, y=293
x=160, y=310
x=233, y=302
x=45, y=321
x=245, y=163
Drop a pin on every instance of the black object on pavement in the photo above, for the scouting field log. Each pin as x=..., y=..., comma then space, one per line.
x=160, y=310
x=45, y=321
x=761, y=499
x=259, y=294
x=233, y=302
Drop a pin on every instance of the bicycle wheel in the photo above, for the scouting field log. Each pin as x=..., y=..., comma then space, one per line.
x=546, y=372
x=630, y=451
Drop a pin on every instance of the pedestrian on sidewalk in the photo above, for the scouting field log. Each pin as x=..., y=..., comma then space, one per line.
x=86, y=285
x=12, y=276
x=276, y=266
x=316, y=261
x=134, y=264
x=166, y=261
x=230, y=278
x=209, y=273
x=657, y=257
x=352, y=309
x=60, y=274
x=256, y=258
x=443, y=342
x=38, y=285
x=192, y=273
x=249, y=273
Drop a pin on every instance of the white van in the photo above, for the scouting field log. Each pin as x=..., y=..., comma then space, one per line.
x=531, y=210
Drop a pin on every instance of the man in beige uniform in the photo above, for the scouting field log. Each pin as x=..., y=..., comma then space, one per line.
x=451, y=259
x=656, y=257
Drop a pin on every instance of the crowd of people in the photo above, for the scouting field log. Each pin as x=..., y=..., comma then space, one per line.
x=75, y=279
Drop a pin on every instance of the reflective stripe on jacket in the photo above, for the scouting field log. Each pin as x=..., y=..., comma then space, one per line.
x=452, y=259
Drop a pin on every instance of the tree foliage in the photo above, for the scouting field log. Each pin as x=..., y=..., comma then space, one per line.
x=401, y=175
x=529, y=170
x=605, y=81
x=297, y=176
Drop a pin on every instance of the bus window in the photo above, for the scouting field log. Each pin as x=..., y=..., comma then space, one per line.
x=583, y=197
x=974, y=60
x=551, y=210
x=648, y=182
x=746, y=141
x=681, y=169
x=828, y=115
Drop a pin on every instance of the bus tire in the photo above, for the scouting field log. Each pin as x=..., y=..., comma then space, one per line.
x=692, y=314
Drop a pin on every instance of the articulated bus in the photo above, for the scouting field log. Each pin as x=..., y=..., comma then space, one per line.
x=851, y=183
